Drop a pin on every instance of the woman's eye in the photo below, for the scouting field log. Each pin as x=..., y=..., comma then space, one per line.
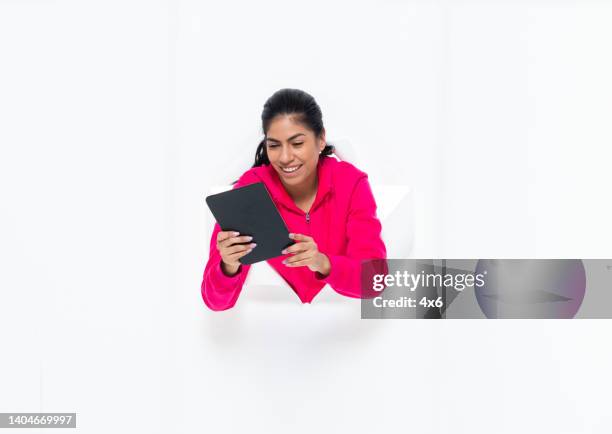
x=272, y=145
x=298, y=143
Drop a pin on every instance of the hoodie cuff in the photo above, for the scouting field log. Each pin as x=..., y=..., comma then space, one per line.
x=347, y=276
x=221, y=281
x=344, y=275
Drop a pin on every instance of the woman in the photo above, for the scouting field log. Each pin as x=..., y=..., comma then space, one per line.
x=327, y=205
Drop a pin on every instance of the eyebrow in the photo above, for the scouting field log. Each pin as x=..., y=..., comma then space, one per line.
x=290, y=138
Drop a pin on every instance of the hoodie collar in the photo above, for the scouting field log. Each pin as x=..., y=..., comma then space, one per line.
x=280, y=195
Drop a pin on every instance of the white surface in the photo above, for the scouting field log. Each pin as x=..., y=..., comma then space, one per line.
x=117, y=116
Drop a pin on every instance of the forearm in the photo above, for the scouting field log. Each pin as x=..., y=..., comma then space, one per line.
x=229, y=270
x=323, y=265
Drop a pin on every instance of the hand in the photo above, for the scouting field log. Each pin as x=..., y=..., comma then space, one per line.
x=230, y=249
x=306, y=253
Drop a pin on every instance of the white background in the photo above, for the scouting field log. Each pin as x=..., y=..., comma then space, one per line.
x=117, y=117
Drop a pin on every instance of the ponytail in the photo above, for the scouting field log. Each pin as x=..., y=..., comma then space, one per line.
x=327, y=150
x=261, y=156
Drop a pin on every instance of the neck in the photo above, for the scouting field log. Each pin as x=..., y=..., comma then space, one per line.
x=303, y=191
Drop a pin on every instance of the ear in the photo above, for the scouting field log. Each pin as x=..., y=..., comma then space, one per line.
x=322, y=141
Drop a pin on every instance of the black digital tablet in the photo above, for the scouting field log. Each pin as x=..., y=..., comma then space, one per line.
x=250, y=211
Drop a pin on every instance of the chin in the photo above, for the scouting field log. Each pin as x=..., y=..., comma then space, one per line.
x=290, y=180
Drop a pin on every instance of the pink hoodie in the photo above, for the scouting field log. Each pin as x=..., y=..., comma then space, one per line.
x=342, y=221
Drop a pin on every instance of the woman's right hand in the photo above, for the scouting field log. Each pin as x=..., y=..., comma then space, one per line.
x=231, y=250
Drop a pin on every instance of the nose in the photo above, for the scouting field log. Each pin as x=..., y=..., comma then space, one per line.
x=286, y=155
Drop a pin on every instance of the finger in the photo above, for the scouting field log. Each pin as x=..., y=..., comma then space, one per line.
x=302, y=263
x=239, y=248
x=235, y=240
x=300, y=237
x=235, y=256
x=297, y=247
x=297, y=258
x=234, y=259
x=224, y=235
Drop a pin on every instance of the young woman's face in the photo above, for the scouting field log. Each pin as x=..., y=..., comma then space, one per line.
x=293, y=151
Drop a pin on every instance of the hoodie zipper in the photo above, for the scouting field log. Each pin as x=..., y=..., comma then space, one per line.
x=299, y=211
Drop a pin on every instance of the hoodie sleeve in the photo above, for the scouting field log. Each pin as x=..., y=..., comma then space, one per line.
x=364, y=243
x=220, y=291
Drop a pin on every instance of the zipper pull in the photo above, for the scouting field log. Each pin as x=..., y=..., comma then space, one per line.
x=307, y=217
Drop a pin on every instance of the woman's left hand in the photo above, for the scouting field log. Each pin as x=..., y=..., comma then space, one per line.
x=306, y=253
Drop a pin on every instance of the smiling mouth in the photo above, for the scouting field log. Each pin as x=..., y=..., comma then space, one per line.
x=290, y=169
